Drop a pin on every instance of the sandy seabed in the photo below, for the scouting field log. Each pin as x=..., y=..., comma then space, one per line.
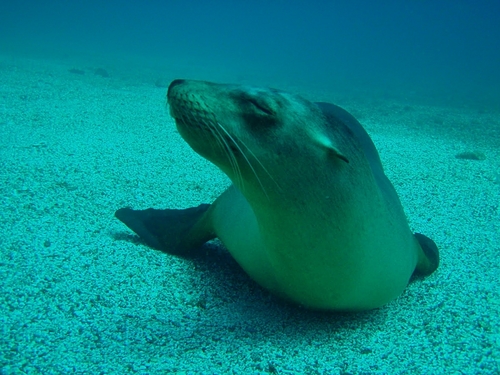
x=80, y=294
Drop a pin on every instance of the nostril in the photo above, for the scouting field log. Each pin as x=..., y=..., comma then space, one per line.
x=174, y=83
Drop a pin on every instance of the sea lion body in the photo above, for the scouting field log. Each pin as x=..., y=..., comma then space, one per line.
x=310, y=216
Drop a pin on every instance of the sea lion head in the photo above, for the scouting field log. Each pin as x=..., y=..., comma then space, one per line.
x=260, y=137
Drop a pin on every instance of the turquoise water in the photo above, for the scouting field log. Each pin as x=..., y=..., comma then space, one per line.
x=84, y=130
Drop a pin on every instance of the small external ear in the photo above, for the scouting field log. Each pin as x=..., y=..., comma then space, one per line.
x=327, y=144
x=338, y=154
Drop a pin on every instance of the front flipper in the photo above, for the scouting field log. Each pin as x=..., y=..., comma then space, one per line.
x=175, y=232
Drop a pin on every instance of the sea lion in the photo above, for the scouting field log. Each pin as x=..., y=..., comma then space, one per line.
x=310, y=215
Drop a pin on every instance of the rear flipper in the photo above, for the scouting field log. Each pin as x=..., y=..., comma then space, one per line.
x=428, y=258
x=177, y=232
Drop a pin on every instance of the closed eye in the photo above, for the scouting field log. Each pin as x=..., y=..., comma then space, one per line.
x=261, y=106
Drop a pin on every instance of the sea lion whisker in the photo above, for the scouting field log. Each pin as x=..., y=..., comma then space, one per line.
x=182, y=119
x=260, y=163
x=230, y=155
x=215, y=135
x=248, y=161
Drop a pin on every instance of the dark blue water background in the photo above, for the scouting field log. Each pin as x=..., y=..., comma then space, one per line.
x=447, y=49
